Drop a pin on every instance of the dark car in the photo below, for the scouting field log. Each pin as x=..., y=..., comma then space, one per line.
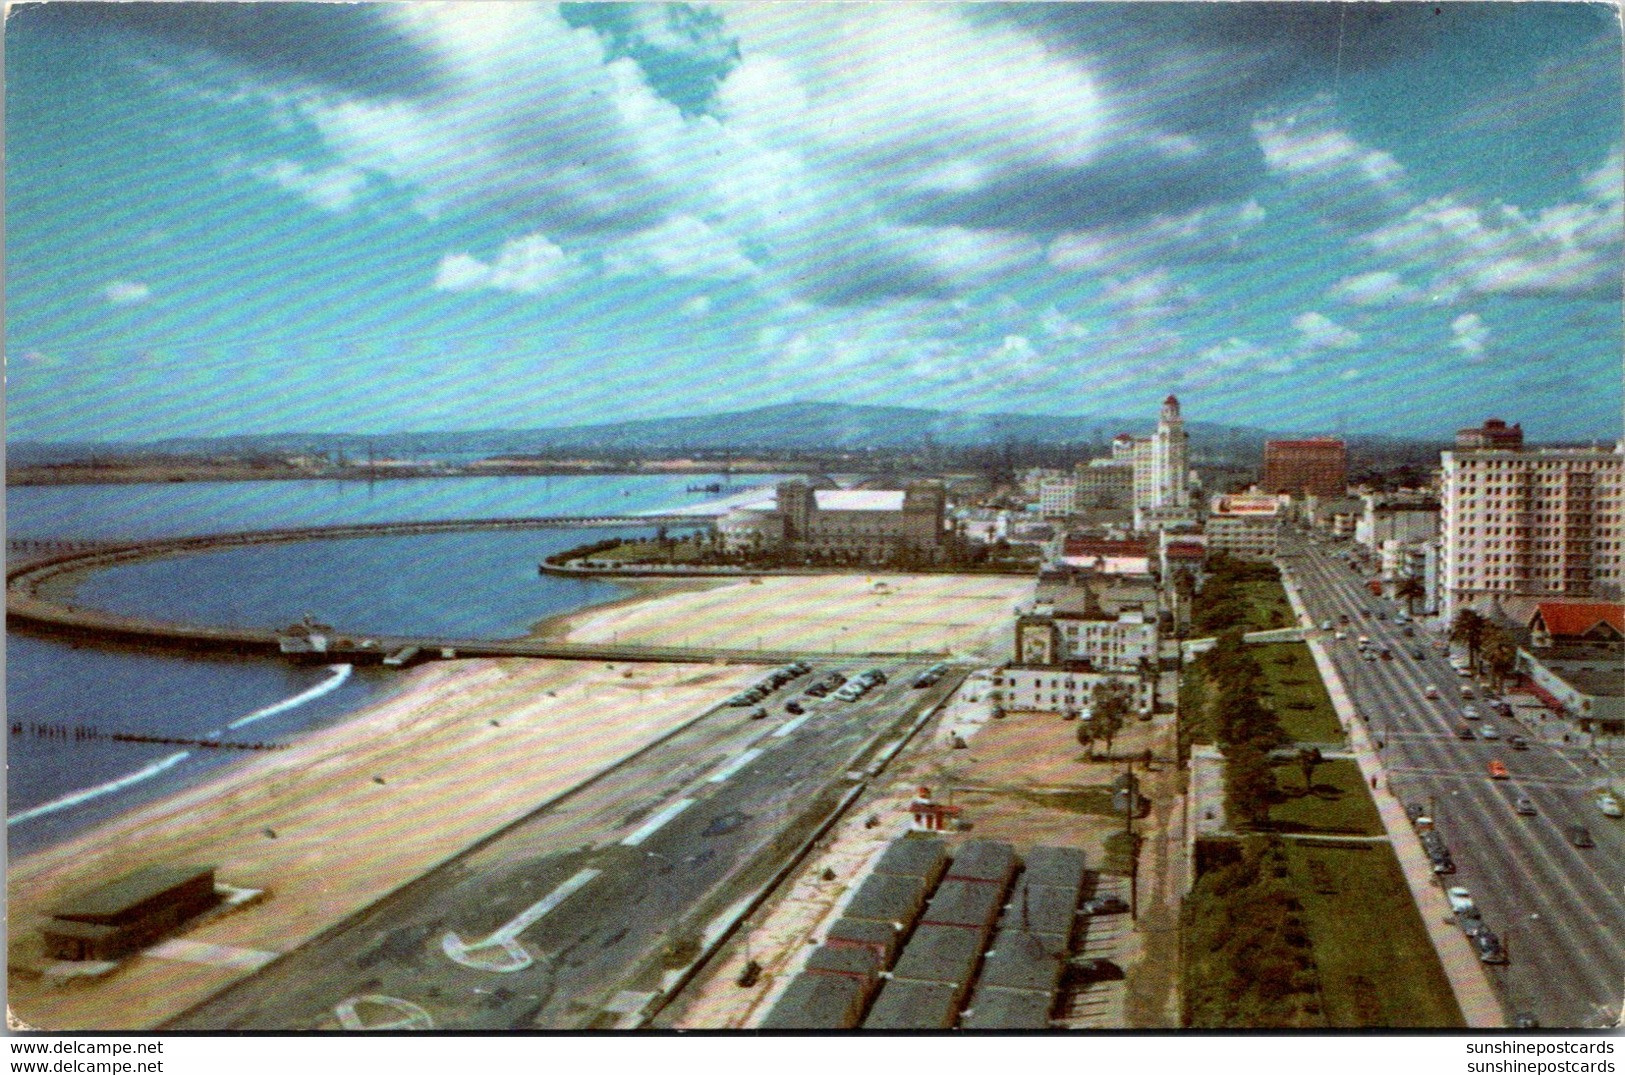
x=1084, y=969
x=1463, y=732
x=758, y=713
x=1580, y=836
x=1489, y=947
x=795, y=707
x=1517, y=742
x=1416, y=810
x=1105, y=905
x=1419, y=654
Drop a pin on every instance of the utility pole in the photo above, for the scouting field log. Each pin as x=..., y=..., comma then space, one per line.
x=1133, y=855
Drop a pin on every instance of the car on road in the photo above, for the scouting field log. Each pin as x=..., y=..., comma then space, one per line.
x=1517, y=742
x=1461, y=900
x=1105, y=905
x=1489, y=947
x=1409, y=632
x=1363, y=641
x=1466, y=690
x=1370, y=655
x=1463, y=732
x=1609, y=804
x=1525, y=806
x=1340, y=635
x=1431, y=691
x=1488, y=731
x=1419, y=654
x=795, y=707
x=1414, y=811
x=1498, y=770
x=758, y=713
x=1469, y=712
x=1579, y=836
x=1325, y=625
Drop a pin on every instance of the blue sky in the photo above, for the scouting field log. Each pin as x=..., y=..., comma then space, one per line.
x=1394, y=218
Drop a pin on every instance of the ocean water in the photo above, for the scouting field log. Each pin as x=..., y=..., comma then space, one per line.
x=473, y=584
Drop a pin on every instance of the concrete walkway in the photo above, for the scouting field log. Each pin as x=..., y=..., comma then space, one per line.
x=1480, y=1005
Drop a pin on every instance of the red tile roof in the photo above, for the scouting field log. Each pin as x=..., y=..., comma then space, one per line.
x=1083, y=546
x=1571, y=619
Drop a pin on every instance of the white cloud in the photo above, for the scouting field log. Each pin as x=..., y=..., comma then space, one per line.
x=126, y=293
x=698, y=306
x=1233, y=358
x=1353, y=374
x=526, y=266
x=1381, y=288
x=1340, y=179
x=1317, y=332
x=331, y=189
x=683, y=247
x=1470, y=335
x=1211, y=233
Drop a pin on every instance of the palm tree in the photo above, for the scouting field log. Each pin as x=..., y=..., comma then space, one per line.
x=1500, y=653
x=1468, y=629
x=1409, y=589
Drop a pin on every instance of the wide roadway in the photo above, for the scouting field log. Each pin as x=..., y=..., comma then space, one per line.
x=619, y=882
x=1559, y=909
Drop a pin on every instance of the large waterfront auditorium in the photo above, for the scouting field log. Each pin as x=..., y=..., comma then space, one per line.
x=871, y=525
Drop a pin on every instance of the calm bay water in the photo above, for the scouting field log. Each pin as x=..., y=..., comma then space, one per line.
x=469, y=584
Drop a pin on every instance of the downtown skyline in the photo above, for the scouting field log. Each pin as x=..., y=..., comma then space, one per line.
x=263, y=218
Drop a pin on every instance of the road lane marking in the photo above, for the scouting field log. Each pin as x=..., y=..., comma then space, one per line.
x=785, y=729
x=182, y=950
x=734, y=766
x=482, y=955
x=654, y=824
x=410, y=1016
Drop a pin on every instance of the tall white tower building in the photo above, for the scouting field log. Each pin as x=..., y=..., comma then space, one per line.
x=1168, y=452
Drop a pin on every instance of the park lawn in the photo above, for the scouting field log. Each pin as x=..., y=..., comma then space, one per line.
x=1339, y=803
x=652, y=552
x=1267, y=605
x=1376, y=965
x=1292, y=688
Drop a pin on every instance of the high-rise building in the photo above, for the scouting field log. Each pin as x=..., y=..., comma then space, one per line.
x=1318, y=466
x=1169, y=450
x=1529, y=523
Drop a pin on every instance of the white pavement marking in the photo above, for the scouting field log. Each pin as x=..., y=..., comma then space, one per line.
x=477, y=955
x=182, y=950
x=411, y=1017
x=654, y=824
x=785, y=729
x=734, y=766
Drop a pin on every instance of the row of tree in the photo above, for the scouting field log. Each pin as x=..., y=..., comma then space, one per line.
x=1110, y=704
x=1225, y=600
x=1245, y=729
x=1490, y=647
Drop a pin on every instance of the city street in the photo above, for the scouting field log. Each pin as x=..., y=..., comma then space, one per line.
x=1559, y=909
x=586, y=913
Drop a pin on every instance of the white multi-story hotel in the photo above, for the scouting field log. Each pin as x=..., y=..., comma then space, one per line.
x=1057, y=497
x=1529, y=523
x=1161, y=472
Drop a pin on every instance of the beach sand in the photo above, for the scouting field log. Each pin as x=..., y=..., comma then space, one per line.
x=362, y=808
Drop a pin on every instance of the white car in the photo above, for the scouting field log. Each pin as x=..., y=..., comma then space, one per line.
x=1609, y=805
x=1431, y=692
x=1461, y=901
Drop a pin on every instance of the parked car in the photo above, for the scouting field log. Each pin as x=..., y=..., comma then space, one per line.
x=795, y=707
x=1498, y=770
x=1463, y=732
x=1609, y=804
x=1488, y=731
x=1414, y=811
x=758, y=713
x=1469, y=712
x=1517, y=742
x=1419, y=654
x=1579, y=836
x=1525, y=806
x=1431, y=691
x=1105, y=905
x=1461, y=900
x=1489, y=947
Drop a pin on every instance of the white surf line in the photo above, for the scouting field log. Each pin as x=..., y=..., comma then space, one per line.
x=653, y=825
x=341, y=672
x=785, y=729
x=100, y=789
x=734, y=766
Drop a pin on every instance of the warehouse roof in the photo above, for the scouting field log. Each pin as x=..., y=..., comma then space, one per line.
x=1040, y=909
x=125, y=897
x=984, y=860
x=915, y=858
x=940, y=954
x=880, y=935
x=1008, y=1009
x=914, y=1006
x=964, y=903
x=855, y=962
x=1062, y=867
x=818, y=1002
x=889, y=898
x=1020, y=960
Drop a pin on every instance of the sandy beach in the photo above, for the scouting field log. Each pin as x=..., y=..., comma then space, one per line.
x=355, y=811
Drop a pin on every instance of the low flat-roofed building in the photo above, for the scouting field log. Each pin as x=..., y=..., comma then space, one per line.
x=130, y=913
x=1244, y=525
x=993, y=1008
x=984, y=860
x=889, y=898
x=862, y=964
x=1590, y=692
x=912, y=1005
x=818, y=1002
x=915, y=857
x=1021, y=960
x=941, y=954
x=881, y=938
x=1055, y=867
x=970, y=904
x=1106, y=556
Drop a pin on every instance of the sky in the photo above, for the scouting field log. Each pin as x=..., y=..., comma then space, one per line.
x=1320, y=218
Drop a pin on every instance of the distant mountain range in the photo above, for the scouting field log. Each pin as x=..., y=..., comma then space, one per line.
x=787, y=427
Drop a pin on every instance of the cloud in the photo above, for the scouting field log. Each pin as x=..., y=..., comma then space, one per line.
x=1317, y=332
x=683, y=247
x=1380, y=288
x=527, y=266
x=698, y=306
x=1337, y=178
x=1212, y=233
x=331, y=189
x=1235, y=358
x=1470, y=335
x=126, y=293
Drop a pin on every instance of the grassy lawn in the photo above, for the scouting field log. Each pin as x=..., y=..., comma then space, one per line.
x=1292, y=688
x=1376, y=965
x=647, y=552
x=1338, y=803
x=1267, y=605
